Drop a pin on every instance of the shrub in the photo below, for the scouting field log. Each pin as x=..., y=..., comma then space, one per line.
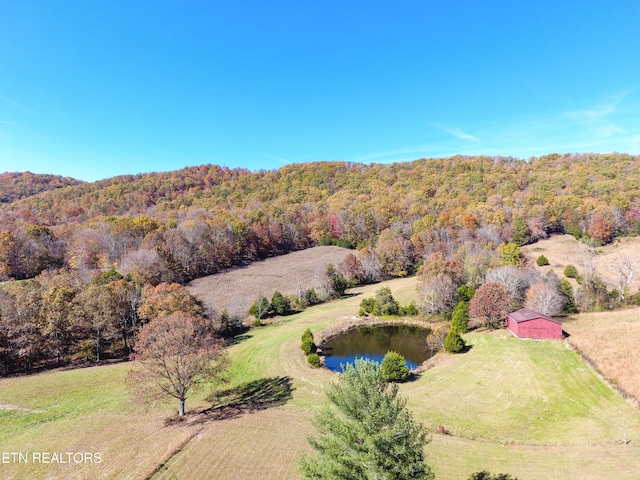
x=308, y=298
x=542, y=261
x=570, y=271
x=484, y=475
x=453, y=343
x=308, y=347
x=307, y=335
x=409, y=311
x=367, y=305
x=394, y=368
x=230, y=324
x=314, y=360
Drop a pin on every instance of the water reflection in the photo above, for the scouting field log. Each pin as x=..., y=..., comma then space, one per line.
x=374, y=342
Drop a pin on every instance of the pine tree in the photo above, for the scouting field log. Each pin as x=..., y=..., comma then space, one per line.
x=367, y=433
x=453, y=343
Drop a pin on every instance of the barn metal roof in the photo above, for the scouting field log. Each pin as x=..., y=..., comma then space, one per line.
x=524, y=314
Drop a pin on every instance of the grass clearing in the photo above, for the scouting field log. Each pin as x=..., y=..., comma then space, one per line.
x=232, y=290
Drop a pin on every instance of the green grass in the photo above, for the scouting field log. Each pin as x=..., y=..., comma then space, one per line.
x=509, y=391
x=529, y=408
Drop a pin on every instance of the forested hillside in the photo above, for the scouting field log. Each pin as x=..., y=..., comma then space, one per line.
x=105, y=256
x=202, y=219
x=16, y=185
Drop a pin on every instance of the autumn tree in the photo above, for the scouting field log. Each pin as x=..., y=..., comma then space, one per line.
x=165, y=299
x=98, y=318
x=437, y=334
x=600, y=228
x=510, y=254
x=23, y=324
x=58, y=319
x=490, y=305
x=174, y=355
x=367, y=432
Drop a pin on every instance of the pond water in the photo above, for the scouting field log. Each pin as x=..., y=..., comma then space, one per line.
x=374, y=342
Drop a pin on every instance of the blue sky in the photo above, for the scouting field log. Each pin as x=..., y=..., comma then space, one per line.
x=97, y=89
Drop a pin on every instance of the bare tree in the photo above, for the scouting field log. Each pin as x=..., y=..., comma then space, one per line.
x=545, y=299
x=436, y=295
x=624, y=269
x=175, y=354
x=515, y=279
x=435, y=339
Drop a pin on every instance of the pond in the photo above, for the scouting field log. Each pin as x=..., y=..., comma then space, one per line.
x=373, y=343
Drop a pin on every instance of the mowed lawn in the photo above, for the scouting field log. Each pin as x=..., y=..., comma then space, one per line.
x=529, y=408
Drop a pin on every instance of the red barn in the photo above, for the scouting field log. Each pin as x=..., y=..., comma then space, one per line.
x=525, y=323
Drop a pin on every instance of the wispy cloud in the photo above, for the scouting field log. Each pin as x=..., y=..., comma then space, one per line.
x=4, y=122
x=456, y=132
x=597, y=116
x=281, y=160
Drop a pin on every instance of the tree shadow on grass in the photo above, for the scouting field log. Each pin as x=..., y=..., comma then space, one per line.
x=236, y=339
x=249, y=397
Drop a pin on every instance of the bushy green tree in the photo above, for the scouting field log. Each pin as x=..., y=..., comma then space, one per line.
x=465, y=293
x=510, y=254
x=261, y=308
x=367, y=305
x=336, y=283
x=314, y=360
x=570, y=271
x=542, y=261
x=280, y=304
x=307, y=335
x=521, y=231
x=453, y=342
x=385, y=303
x=460, y=317
x=567, y=290
x=409, y=310
x=394, y=367
x=308, y=344
x=308, y=347
x=367, y=432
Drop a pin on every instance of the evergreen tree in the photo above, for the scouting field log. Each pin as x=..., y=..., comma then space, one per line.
x=279, y=304
x=394, y=367
x=521, y=231
x=453, y=343
x=385, y=304
x=460, y=317
x=367, y=433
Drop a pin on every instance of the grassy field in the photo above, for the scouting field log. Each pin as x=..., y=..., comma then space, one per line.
x=529, y=408
x=610, y=341
x=237, y=288
x=562, y=250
